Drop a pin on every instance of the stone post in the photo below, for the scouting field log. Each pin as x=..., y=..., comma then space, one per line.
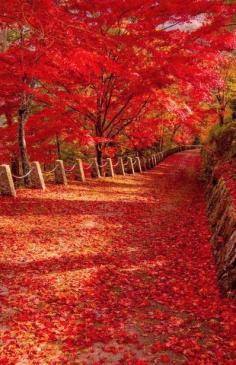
x=95, y=172
x=121, y=166
x=110, y=170
x=138, y=167
x=131, y=166
x=6, y=182
x=143, y=163
x=79, y=170
x=60, y=175
x=37, y=180
x=155, y=159
x=150, y=162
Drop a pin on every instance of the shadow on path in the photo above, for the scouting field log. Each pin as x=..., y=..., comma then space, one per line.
x=113, y=272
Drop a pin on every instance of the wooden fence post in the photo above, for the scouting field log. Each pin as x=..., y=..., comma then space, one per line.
x=110, y=170
x=130, y=166
x=95, y=169
x=6, y=182
x=37, y=180
x=79, y=170
x=60, y=175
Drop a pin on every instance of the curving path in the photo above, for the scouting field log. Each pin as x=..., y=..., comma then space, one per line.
x=113, y=272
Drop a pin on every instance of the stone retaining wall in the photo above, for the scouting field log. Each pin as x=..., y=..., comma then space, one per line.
x=221, y=211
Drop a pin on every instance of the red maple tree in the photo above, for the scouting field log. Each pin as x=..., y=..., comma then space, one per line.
x=93, y=69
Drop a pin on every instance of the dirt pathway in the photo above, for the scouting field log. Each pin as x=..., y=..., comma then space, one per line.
x=113, y=272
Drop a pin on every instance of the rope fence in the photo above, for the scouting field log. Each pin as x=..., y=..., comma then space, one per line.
x=71, y=169
x=22, y=176
x=116, y=164
x=36, y=175
x=103, y=165
x=89, y=166
x=50, y=172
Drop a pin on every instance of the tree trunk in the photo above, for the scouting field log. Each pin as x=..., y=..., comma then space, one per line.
x=15, y=165
x=221, y=119
x=161, y=143
x=3, y=40
x=221, y=113
x=22, y=145
x=58, y=147
x=99, y=156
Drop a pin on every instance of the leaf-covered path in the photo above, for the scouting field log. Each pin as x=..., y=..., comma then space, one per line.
x=113, y=272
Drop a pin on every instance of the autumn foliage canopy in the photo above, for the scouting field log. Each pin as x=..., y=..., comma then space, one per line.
x=107, y=74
